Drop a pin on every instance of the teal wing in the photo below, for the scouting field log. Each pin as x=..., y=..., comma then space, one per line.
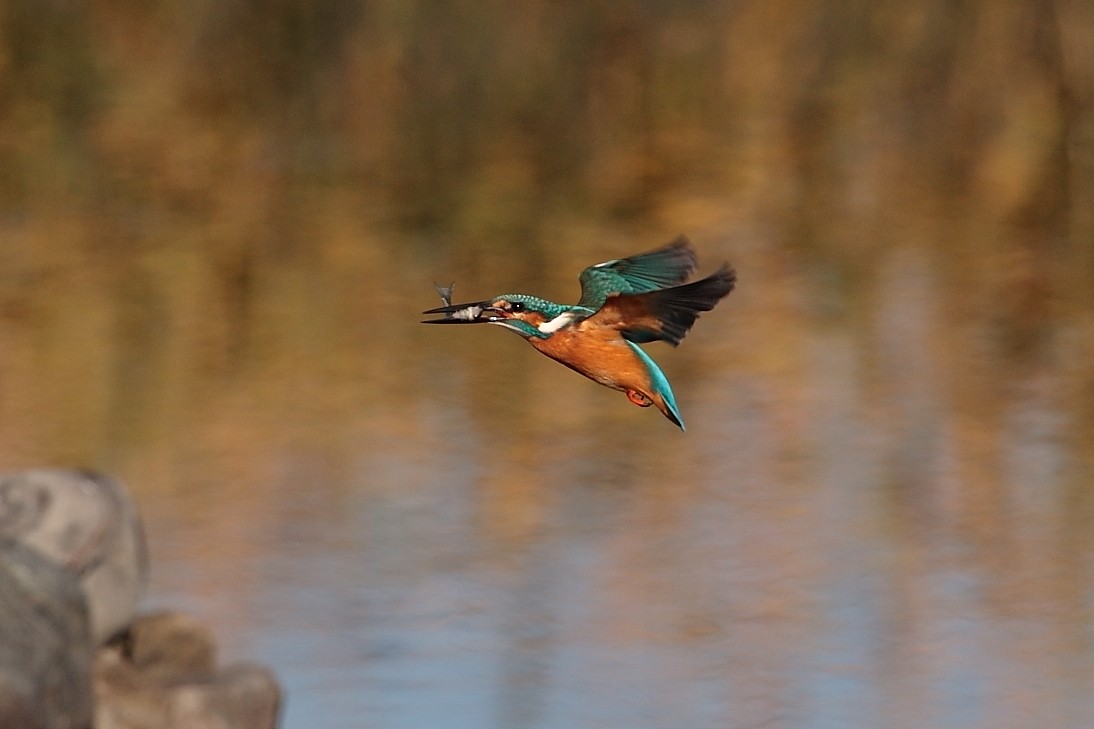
x=664, y=314
x=657, y=269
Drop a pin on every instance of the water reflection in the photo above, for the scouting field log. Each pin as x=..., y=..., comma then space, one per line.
x=880, y=513
x=842, y=542
x=873, y=521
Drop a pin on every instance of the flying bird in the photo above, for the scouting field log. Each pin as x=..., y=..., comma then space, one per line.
x=624, y=302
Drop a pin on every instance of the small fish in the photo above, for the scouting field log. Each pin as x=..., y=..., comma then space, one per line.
x=455, y=314
x=445, y=292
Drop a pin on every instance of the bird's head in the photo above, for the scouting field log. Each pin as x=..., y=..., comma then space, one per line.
x=528, y=316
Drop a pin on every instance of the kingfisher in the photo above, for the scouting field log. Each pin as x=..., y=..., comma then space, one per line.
x=624, y=302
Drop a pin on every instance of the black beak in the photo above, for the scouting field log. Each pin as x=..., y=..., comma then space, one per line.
x=477, y=313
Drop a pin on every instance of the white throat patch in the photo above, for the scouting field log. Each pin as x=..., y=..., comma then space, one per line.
x=550, y=327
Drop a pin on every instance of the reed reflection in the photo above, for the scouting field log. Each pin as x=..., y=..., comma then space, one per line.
x=219, y=225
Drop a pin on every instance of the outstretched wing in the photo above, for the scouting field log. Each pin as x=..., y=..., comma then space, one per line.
x=664, y=314
x=650, y=271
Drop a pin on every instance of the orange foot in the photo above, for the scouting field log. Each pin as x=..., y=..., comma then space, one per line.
x=639, y=399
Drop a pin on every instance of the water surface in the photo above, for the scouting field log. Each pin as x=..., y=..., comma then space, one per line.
x=219, y=226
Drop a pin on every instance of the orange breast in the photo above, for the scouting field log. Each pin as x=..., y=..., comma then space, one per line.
x=599, y=354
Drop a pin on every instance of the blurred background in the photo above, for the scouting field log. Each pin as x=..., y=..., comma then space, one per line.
x=219, y=222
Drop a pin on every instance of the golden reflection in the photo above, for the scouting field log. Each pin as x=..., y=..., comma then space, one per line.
x=219, y=224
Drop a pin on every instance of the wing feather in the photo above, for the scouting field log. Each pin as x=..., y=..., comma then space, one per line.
x=657, y=269
x=665, y=314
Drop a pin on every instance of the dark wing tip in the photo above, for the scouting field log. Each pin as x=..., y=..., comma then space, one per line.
x=681, y=241
x=726, y=276
x=677, y=308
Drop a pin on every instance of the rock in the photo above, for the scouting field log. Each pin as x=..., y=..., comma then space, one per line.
x=244, y=696
x=86, y=523
x=171, y=647
x=45, y=650
x=162, y=676
x=72, y=567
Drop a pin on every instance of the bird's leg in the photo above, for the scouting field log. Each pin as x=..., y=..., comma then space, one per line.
x=639, y=399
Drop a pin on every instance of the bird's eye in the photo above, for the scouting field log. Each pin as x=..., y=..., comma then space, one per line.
x=516, y=306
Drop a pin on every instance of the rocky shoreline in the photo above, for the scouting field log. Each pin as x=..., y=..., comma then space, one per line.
x=74, y=652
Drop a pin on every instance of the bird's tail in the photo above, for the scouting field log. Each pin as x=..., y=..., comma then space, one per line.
x=661, y=390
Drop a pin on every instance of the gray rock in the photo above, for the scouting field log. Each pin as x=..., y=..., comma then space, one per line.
x=45, y=650
x=163, y=677
x=72, y=568
x=86, y=523
x=171, y=647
